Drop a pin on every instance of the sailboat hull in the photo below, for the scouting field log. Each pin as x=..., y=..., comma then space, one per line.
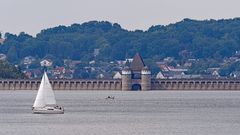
x=48, y=110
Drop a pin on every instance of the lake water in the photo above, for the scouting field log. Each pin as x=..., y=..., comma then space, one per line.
x=130, y=113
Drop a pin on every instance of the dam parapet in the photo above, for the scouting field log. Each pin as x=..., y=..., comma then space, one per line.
x=196, y=84
x=156, y=84
x=62, y=84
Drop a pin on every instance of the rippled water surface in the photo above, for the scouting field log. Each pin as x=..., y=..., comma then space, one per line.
x=130, y=113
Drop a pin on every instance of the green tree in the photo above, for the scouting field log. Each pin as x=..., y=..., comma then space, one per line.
x=8, y=71
x=12, y=54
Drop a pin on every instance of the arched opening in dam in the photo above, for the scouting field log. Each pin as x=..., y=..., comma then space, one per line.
x=136, y=87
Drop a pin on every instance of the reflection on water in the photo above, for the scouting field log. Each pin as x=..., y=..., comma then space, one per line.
x=130, y=113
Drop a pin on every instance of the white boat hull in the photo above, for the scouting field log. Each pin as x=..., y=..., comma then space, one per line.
x=48, y=110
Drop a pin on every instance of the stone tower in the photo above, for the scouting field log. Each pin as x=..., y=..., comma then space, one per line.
x=126, y=79
x=137, y=77
x=146, y=79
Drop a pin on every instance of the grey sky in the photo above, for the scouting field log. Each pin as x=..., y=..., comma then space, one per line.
x=33, y=15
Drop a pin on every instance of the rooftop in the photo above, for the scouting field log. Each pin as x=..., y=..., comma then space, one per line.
x=137, y=63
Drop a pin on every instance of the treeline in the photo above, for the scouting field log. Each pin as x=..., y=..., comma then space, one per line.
x=213, y=39
x=8, y=71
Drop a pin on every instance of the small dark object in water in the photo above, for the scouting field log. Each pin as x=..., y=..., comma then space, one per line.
x=110, y=97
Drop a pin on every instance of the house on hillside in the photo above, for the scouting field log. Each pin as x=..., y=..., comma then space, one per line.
x=28, y=60
x=163, y=67
x=71, y=63
x=3, y=57
x=168, y=59
x=235, y=74
x=170, y=68
x=100, y=76
x=68, y=74
x=117, y=75
x=214, y=72
x=36, y=73
x=28, y=74
x=96, y=52
x=59, y=70
x=160, y=75
x=46, y=63
x=92, y=62
x=2, y=41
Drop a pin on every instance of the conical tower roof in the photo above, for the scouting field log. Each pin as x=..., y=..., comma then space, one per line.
x=137, y=63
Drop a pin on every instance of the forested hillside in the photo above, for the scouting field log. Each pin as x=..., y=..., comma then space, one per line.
x=188, y=38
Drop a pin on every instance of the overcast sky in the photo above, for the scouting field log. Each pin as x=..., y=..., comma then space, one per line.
x=33, y=15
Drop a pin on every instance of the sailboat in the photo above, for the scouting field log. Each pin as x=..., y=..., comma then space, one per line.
x=45, y=102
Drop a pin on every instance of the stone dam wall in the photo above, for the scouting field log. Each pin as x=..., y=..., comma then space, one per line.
x=62, y=84
x=196, y=84
x=165, y=84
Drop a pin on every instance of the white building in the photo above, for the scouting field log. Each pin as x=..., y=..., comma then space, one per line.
x=3, y=57
x=92, y=62
x=160, y=75
x=28, y=60
x=96, y=52
x=100, y=76
x=117, y=76
x=46, y=63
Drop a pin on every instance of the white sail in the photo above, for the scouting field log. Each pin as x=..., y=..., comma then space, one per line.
x=48, y=92
x=45, y=95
